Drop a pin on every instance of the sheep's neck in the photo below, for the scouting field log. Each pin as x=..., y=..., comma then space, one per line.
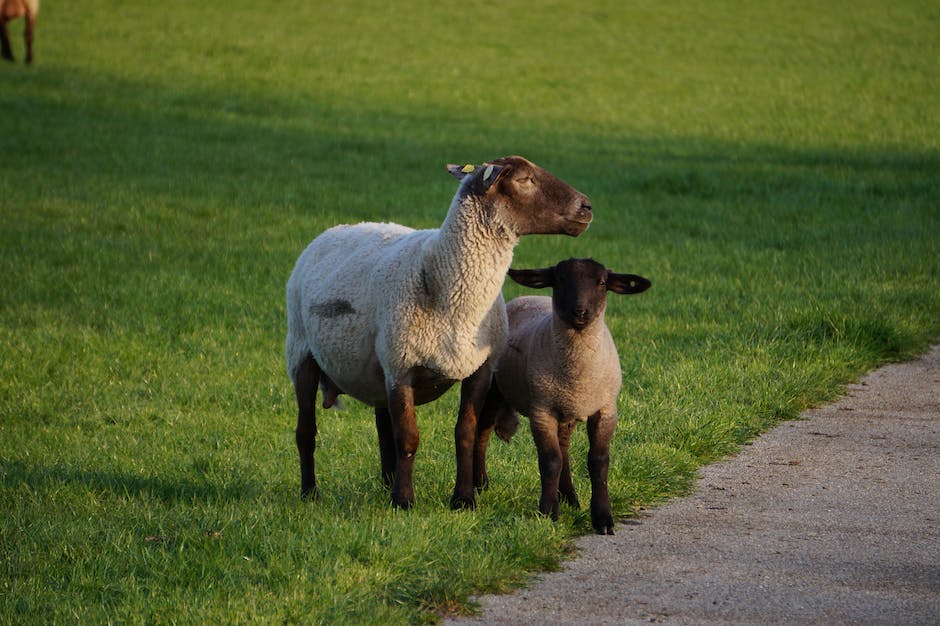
x=465, y=264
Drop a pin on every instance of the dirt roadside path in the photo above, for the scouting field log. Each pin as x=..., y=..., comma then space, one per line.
x=834, y=518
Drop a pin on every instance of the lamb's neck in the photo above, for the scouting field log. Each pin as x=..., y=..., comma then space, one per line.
x=465, y=264
x=574, y=350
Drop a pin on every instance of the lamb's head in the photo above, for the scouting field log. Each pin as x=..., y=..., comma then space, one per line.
x=579, y=288
x=524, y=197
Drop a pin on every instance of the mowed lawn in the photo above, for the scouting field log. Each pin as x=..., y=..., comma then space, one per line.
x=774, y=170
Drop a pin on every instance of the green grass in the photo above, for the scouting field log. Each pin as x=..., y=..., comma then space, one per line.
x=772, y=169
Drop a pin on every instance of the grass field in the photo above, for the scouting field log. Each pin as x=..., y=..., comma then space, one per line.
x=774, y=170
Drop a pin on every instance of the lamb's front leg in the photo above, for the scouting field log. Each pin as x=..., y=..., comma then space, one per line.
x=473, y=392
x=545, y=433
x=600, y=428
x=565, y=484
x=401, y=408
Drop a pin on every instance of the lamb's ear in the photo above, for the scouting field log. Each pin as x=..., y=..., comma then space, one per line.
x=626, y=283
x=536, y=279
x=459, y=171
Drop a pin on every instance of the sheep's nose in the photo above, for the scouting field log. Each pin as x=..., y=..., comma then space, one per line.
x=585, y=211
x=580, y=315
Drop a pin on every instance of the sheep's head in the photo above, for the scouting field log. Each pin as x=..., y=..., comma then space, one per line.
x=528, y=199
x=579, y=288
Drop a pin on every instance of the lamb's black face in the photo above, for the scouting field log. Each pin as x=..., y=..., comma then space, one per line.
x=579, y=288
x=579, y=295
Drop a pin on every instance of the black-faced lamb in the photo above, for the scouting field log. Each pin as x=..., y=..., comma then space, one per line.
x=560, y=366
x=394, y=316
x=10, y=10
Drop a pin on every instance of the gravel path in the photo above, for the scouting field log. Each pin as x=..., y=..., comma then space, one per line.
x=834, y=518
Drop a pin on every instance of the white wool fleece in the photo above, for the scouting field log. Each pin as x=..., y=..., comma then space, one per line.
x=371, y=298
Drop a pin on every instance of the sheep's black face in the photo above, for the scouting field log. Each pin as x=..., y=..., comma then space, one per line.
x=535, y=201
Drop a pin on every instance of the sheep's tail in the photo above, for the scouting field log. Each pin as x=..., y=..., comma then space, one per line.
x=507, y=423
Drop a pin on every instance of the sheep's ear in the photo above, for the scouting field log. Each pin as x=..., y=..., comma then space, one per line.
x=627, y=283
x=484, y=175
x=536, y=279
x=459, y=171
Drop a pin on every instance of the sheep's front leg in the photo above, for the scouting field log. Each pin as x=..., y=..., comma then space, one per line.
x=473, y=392
x=545, y=433
x=565, y=485
x=306, y=379
x=383, y=425
x=401, y=407
x=600, y=431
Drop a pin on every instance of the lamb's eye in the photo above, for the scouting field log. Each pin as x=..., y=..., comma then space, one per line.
x=602, y=283
x=526, y=180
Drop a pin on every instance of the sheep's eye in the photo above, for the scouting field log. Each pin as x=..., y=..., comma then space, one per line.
x=601, y=283
x=526, y=180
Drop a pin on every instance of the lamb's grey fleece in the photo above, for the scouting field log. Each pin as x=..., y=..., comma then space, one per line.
x=550, y=370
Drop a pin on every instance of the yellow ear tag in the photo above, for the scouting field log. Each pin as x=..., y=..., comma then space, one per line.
x=488, y=172
x=466, y=169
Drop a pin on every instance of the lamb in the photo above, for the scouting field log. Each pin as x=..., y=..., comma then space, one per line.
x=560, y=366
x=10, y=10
x=394, y=316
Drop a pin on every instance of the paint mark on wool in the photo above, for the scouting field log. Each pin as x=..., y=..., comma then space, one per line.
x=332, y=308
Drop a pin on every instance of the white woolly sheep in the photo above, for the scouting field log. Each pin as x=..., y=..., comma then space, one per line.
x=10, y=10
x=560, y=366
x=394, y=316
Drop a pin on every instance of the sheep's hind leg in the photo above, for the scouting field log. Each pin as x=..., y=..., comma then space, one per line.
x=473, y=391
x=401, y=407
x=565, y=485
x=383, y=425
x=306, y=379
x=600, y=430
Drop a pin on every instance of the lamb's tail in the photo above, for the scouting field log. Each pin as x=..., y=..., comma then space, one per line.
x=507, y=423
x=331, y=393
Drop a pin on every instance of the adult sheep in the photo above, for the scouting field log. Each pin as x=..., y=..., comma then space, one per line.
x=560, y=366
x=394, y=316
x=10, y=10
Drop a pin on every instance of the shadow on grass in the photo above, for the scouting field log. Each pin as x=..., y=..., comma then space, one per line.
x=44, y=478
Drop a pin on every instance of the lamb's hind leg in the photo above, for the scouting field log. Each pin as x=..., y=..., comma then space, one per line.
x=473, y=392
x=495, y=415
x=306, y=379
